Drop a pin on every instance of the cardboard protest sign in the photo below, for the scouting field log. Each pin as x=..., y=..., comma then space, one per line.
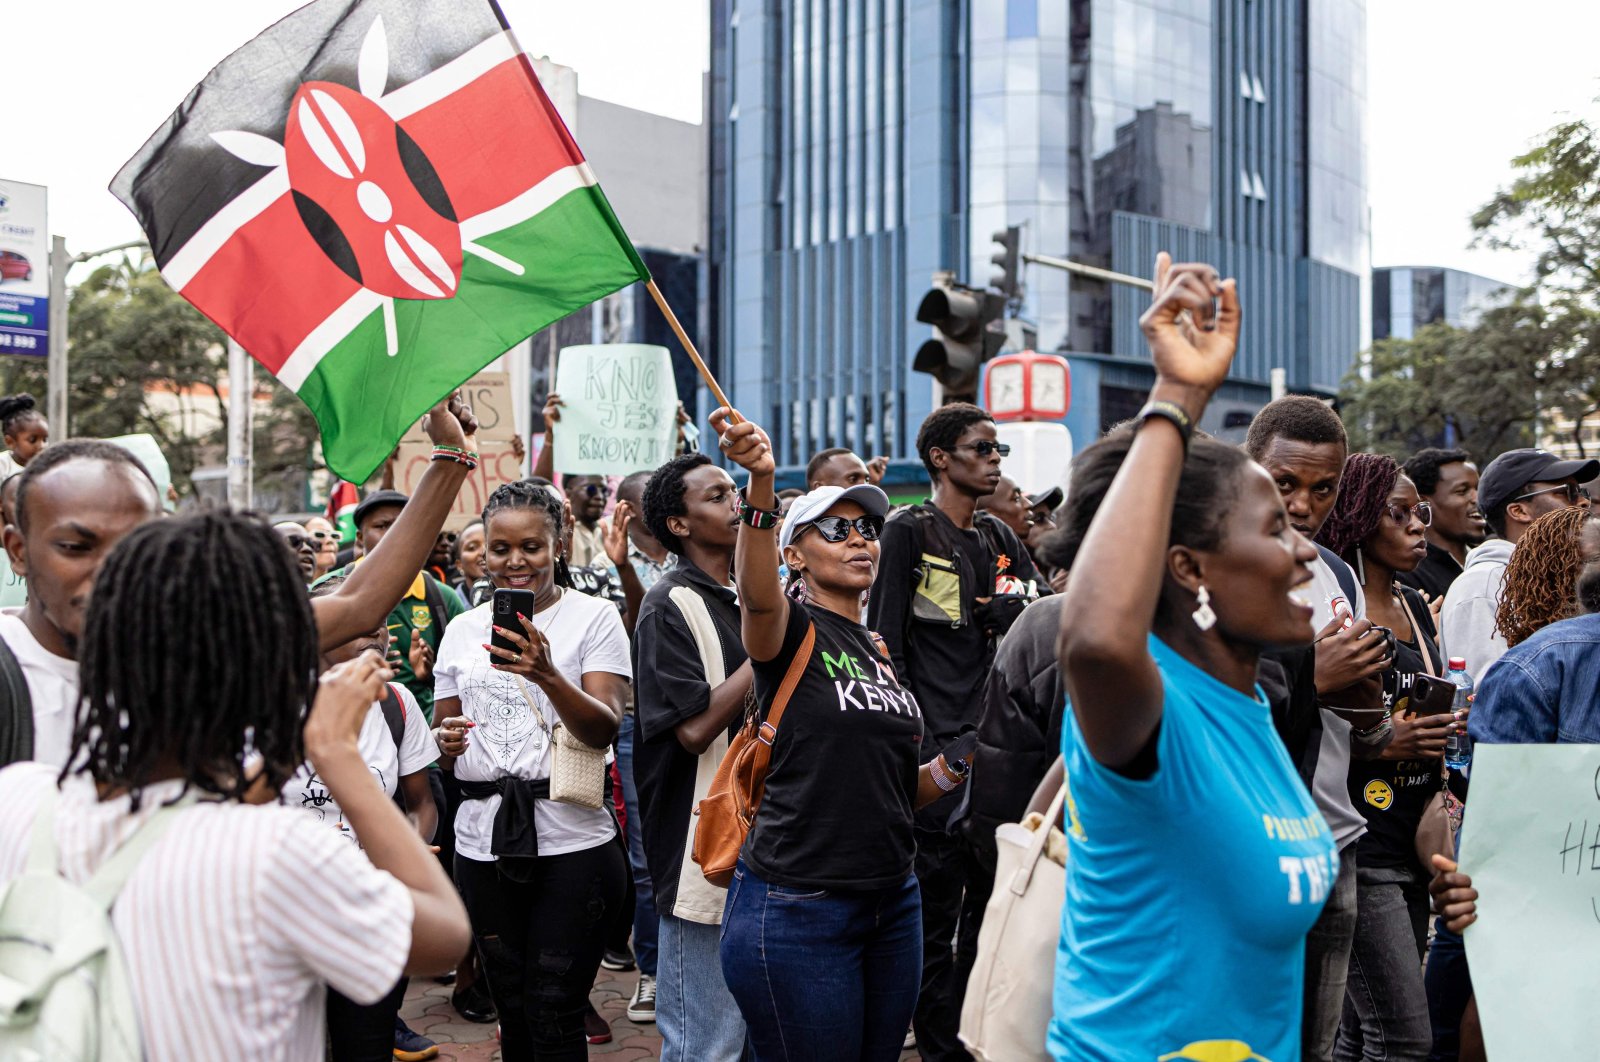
x=489, y=395
x=1531, y=841
x=619, y=411
x=499, y=465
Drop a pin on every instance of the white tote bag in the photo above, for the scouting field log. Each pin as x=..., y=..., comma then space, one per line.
x=1006, y=1015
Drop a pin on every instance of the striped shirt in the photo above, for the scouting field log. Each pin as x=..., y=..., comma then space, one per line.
x=234, y=919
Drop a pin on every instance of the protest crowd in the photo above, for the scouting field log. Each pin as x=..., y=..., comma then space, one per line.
x=1239, y=678
x=1167, y=761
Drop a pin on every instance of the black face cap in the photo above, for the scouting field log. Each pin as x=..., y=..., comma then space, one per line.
x=377, y=500
x=1507, y=474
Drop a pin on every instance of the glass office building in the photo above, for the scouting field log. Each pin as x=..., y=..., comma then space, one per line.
x=859, y=146
x=1404, y=298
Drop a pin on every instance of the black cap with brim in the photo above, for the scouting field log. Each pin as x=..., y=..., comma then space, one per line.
x=1051, y=499
x=1507, y=474
x=377, y=500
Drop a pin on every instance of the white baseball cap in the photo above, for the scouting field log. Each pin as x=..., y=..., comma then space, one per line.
x=808, y=508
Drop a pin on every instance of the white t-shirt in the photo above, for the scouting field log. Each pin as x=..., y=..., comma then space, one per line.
x=52, y=686
x=387, y=763
x=234, y=919
x=585, y=636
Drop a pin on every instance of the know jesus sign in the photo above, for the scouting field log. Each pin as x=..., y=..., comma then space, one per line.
x=619, y=409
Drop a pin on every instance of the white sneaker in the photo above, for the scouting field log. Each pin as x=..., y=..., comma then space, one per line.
x=642, y=1007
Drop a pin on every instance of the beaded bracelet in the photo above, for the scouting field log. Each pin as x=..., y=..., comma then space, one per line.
x=459, y=456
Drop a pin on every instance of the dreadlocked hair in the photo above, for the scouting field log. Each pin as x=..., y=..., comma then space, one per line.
x=536, y=493
x=1363, y=494
x=192, y=671
x=1541, y=582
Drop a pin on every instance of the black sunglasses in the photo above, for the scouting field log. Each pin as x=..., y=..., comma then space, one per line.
x=596, y=490
x=1573, y=492
x=983, y=448
x=837, y=528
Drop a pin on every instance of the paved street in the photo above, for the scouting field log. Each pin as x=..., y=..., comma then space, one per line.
x=427, y=1009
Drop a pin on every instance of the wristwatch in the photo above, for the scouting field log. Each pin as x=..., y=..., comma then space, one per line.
x=760, y=519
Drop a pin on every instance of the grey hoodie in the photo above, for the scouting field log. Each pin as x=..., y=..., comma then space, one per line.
x=1467, y=623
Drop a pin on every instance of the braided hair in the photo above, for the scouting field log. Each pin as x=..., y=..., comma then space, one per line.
x=1363, y=495
x=199, y=645
x=1541, y=581
x=534, y=494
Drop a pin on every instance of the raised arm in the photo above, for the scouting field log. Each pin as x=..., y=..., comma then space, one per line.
x=1115, y=688
x=545, y=464
x=376, y=584
x=763, y=608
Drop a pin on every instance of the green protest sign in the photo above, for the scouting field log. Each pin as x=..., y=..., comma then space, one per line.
x=619, y=409
x=1531, y=842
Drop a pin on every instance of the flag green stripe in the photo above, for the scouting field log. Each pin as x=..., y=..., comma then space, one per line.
x=365, y=400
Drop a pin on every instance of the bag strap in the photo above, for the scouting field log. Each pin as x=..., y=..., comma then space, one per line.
x=433, y=594
x=394, y=713
x=1419, y=634
x=1341, y=572
x=1036, y=844
x=767, y=732
x=107, y=881
x=16, y=709
x=527, y=696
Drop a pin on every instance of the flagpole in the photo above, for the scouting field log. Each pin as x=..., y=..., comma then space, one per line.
x=688, y=345
x=650, y=285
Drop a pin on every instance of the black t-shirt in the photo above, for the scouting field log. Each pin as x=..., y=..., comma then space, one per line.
x=842, y=784
x=1392, y=794
x=944, y=661
x=1434, y=575
x=670, y=686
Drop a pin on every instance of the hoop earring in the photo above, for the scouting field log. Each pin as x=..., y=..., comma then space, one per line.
x=1203, y=616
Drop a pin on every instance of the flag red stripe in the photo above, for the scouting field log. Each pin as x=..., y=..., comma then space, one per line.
x=492, y=140
x=289, y=286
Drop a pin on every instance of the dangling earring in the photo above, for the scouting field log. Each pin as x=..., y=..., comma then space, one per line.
x=1203, y=616
x=1361, y=567
x=797, y=588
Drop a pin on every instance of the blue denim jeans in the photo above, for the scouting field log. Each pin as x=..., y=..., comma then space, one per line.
x=1386, y=1006
x=695, y=1014
x=645, y=919
x=823, y=975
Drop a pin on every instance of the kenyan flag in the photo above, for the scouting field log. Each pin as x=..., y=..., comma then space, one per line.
x=376, y=199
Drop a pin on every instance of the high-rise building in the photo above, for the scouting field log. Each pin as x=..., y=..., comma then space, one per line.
x=1404, y=298
x=858, y=146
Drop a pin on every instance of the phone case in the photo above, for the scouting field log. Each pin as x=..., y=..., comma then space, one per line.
x=507, y=605
x=1430, y=696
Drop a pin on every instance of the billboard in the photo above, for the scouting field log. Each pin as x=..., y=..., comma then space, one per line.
x=24, y=270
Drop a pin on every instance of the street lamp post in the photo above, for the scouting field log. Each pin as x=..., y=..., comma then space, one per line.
x=56, y=360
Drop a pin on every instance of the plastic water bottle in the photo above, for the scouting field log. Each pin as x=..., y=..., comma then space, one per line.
x=1458, y=745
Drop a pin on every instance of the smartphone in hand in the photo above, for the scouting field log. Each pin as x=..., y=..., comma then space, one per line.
x=508, y=604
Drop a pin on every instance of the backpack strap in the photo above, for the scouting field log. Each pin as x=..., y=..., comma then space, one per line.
x=1341, y=572
x=107, y=881
x=433, y=594
x=16, y=710
x=394, y=713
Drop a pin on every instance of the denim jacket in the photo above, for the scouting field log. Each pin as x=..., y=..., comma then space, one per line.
x=1544, y=691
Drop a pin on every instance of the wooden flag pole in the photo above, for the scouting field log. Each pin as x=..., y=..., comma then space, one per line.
x=688, y=345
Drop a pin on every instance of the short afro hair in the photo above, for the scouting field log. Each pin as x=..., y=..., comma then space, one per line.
x=821, y=458
x=943, y=427
x=663, y=498
x=631, y=489
x=1298, y=418
x=65, y=453
x=1423, y=467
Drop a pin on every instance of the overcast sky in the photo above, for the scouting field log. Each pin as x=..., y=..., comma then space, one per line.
x=1455, y=90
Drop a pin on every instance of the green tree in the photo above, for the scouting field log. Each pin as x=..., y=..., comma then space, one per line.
x=141, y=359
x=1486, y=381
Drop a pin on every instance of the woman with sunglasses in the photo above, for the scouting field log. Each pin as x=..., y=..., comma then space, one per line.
x=822, y=933
x=1378, y=526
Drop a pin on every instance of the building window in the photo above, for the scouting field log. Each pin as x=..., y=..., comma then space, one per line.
x=1022, y=18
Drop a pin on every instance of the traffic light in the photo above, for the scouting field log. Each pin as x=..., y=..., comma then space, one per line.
x=962, y=340
x=1008, y=281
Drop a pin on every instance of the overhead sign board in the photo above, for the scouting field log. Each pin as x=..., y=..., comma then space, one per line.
x=24, y=270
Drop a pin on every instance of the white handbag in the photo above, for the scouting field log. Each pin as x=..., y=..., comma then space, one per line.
x=1010, y=995
x=577, y=771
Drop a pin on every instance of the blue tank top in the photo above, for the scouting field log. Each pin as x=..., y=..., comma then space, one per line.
x=1189, y=893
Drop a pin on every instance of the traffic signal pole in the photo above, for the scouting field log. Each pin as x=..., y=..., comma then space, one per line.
x=56, y=359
